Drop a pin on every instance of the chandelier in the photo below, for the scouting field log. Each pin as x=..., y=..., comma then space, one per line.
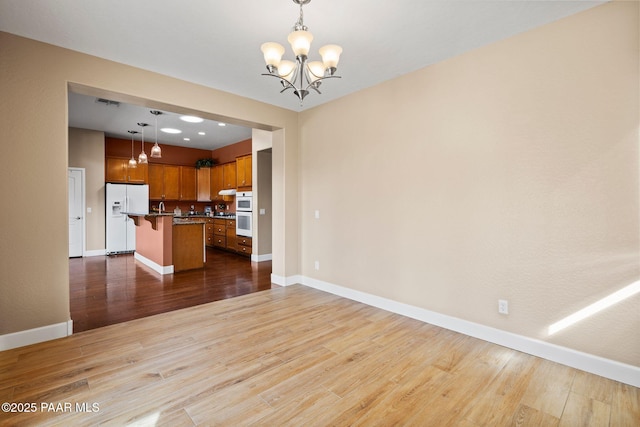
x=301, y=75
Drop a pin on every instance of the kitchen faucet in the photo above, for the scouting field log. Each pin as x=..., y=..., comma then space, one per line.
x=160, y=207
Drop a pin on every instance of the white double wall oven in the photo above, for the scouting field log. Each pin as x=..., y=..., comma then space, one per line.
x=244, y=214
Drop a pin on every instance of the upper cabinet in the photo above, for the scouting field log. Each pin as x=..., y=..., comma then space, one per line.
x=203, y=181
x=169, y=182
x=117, y=170
x=243, y=173
x=229, y=175
x=217, y=182
x=164, y=182
x=188, y=186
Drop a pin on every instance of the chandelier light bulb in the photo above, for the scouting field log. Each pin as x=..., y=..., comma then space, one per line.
x=316, y=71
x=330, y=56
x=272, y=54
x=300, y=42
x=286, y=69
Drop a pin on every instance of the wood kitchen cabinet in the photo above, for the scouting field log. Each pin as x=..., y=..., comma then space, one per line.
x=188, y=186
x=243, y=173
x=220, y=233
x=244, y=245
x=229, y=175
x=203, y=182
x=224, y=234
x=208, y=232
x=217, y=182
x=117, y=170
x=188, y=246
x=164, y=182
x=232, y=239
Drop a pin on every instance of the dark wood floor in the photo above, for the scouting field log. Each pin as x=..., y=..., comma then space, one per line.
x=112, y=289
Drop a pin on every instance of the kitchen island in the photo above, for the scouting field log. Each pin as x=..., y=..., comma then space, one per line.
x=169, y=245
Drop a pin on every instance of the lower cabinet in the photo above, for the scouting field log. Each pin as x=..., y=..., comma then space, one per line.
x=231, y=234
x=208, y=232
x=221, y=233
x=244, y=245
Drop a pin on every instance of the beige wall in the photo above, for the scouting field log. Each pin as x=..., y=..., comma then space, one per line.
x=507, y=172
x=264, y=161
x=262, y=191
x=34, y=79
x=86, y=150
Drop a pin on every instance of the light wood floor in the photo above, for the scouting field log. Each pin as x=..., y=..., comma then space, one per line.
x=297, y=356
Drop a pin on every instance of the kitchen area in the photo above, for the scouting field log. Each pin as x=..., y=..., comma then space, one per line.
x=196, y=229
x=177, y=211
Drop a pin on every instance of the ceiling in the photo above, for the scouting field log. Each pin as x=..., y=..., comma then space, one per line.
x=216, y=43
x=115, y=120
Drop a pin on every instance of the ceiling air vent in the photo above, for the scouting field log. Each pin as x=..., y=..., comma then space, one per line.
x=107, y=102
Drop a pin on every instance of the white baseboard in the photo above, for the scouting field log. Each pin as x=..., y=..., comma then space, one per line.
x=607, y=368
x=285, y=281
x=36, y=335
x=97, y=252
x=162, y=269
x=261, y=258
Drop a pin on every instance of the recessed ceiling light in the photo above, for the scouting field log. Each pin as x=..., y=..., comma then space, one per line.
x=201, y=133
x=191, y=119
x=187, y=139
x=170, y=130
x=222, y=124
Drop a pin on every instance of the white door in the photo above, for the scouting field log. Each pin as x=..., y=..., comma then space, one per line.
x=76, y=208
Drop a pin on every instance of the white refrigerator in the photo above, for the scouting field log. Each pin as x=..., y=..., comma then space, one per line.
x=123, y=199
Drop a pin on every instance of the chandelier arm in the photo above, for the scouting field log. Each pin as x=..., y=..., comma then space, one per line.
x=318, y=80
x=287, y=83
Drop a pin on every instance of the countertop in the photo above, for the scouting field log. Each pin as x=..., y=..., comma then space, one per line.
x=156, y=214
x=184, y=221
x=184, y=216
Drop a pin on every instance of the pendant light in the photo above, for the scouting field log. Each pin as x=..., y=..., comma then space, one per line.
x=142, y=158
x=132, y=160
x=156, y=151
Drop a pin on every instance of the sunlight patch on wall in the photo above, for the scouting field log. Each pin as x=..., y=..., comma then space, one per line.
x=596, y=307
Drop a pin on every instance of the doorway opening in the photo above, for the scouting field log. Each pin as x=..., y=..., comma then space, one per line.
x=106, y=290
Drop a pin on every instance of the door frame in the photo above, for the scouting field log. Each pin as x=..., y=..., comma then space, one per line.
x=84, y=208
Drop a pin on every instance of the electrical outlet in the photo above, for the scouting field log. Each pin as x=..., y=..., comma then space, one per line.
x=317, y=214
x=503, y=306
x=316, y=265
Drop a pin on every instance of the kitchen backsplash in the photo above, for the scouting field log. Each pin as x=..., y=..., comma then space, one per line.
x=169, y=206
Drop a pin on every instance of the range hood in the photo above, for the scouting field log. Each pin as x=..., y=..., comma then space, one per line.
x=227, y=192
